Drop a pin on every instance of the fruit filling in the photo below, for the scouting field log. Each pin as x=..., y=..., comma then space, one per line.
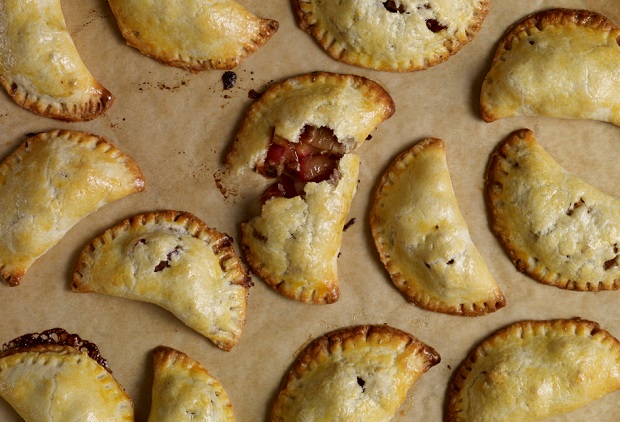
x=313, y=159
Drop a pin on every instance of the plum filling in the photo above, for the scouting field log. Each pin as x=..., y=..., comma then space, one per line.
x=313, y=159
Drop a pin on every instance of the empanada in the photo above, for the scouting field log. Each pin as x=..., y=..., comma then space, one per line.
x=392, y=35
x=55, y=376
x=301, y=131
x=532, y=370
x=183, y=390
x=171, y=259
x=556, y=228
x=48, y=184
x=360, y=373
x=40, y=67
x=423, y=239
x=557, y=63
x=192, y=34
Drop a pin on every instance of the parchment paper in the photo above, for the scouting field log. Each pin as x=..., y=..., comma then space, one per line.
x=178, y=126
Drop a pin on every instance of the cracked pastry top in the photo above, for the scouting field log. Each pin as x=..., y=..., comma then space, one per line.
x=56, y=376
x=532, y=370
x=183, y=390
x=558, y=63
x=392, y=35
x=48, y=184
x=299, y=134
x=171, y=259
x=360, y=373
x=554, y=226
x=426, y=248
x=192, y=34
x=40, y=67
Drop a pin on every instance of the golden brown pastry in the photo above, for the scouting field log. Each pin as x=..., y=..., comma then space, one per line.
x=55, y=376
x=183, y=390
x=192, y=34
x=171, y=259
x=300, y=133
x=360, y=373
x=392, y=35
x=423, y=239
x=48, y=184
x=532, y=370
x=557, y=63
x=40, y=67
x=555, y=227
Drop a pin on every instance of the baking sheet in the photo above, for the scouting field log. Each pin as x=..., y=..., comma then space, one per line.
x=178, y=125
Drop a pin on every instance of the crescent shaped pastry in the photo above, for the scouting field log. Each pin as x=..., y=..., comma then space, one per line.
x=192, y=34
x=555, y=227
x=301, y=131
x=171, y=259
x=392, y=35
x=183, y=390
x=40, y=67
x=423, y=239
x=532, y=370
x=360, y=373
x=48, y=184
x=557, y=63
x=54, y=376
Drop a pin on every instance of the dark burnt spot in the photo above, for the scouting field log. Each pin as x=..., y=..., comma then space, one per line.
x=361, y=382
x=229, y=79
x=166, y=263
x=434, y=25
x=349, y=224
x=391, y=6
x=254, y=95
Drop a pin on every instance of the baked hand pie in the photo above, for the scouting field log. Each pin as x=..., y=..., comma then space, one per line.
x=300, y=133
x=192, y=34
x=48, y=184
x=532, y=370
x=360, y=373
x=557, y=63
x=391, y=35
x=426, y=248
x=56, y=376
x=171, y=259
x=40, y=67
x=555, y=227
x=183, y=390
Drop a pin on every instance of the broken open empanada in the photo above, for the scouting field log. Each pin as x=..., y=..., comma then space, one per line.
x=48, y=184
x=183, y=390
x=55, y=376
x=301, y=132
x=556, y=228
x=192, y=34
x=360, y=373
x=532, y=370
x=392, y=35
x=171, y=259
x=557, y=63
x=423, y=239
x=40, y=66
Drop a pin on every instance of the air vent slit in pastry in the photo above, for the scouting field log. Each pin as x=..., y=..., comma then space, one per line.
x=40, y=67
x=193, y=34
x=48, y=184
x=301, y=133
x=171, y=259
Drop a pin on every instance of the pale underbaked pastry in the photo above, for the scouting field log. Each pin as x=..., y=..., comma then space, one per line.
x=304, y=129
x=423, y=239
x=557, y=63
x=360, y=373
x=192, y=34
x=392, y=35
x=183, y=390
x=55, y=376
x=532, y=370
x=40, y=67
x=48, y=184
x=171, y=259
x=555, y=227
